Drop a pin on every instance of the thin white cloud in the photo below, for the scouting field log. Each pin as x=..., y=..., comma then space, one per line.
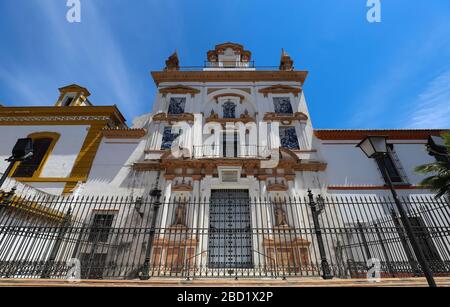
x=409, y=60
x=432, y=108
x=87, y=53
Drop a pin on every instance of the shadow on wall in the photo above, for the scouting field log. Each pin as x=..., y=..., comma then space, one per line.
x=113, y=162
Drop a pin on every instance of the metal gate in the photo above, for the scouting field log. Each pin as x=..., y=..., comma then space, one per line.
x=229, y=242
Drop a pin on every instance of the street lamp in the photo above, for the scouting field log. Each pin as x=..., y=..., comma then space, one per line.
x=375, y=147
x=20, y=152
x=317, y=208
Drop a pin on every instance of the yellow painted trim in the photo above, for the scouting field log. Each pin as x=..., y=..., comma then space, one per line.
x=40, y=135
x=112, y=112
x=53, y=123
x=86, y=156
x=48, y=179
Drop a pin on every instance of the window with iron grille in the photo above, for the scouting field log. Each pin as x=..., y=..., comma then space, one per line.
x=28, y=167
x=176, y=105
x=168, y=138
x=101, y=227
x=288, y=138
x=229, y=109
x=283, y=105
x=392, y=165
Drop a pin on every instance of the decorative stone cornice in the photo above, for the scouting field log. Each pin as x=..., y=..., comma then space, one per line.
x=404, y=134
x=241, y=97
x=182, y=187
x=244, y=118
x=186, y=117
x=229, y=76
x=11, y=115
x=178, y=89
x=54, y=118
x=277, y=187
x=285, y=119
x=124, y=133
x=280, y=89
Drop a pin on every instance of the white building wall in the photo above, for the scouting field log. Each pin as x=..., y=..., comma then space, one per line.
x=112, y=172
x=64, y=154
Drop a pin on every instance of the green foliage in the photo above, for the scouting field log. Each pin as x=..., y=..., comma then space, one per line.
x=439, y=181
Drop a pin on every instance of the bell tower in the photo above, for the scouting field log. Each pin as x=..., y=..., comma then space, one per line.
x=73, y=95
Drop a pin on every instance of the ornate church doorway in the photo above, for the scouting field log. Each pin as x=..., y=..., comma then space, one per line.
x=230, y=241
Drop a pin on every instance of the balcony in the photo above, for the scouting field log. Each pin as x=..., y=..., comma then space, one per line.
x=231, y=150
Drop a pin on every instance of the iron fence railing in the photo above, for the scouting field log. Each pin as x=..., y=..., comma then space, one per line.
x=225, y=235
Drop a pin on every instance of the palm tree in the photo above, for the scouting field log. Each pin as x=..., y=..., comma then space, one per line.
x=439, y=181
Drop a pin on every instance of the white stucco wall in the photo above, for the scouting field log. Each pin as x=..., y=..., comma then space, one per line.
x=347, y=164
x=111, y=172
x=64, y=154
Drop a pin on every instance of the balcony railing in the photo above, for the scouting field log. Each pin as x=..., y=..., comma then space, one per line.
x=231, y=150
x=227, y=65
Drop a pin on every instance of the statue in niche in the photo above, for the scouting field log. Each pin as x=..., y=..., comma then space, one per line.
x=280, y=216
x=180, y=215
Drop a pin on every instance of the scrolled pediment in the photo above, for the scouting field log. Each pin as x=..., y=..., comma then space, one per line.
x=178, y=89
x=280, y=89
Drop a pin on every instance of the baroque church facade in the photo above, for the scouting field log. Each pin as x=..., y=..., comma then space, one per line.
x=226, y=126
x=235, y=155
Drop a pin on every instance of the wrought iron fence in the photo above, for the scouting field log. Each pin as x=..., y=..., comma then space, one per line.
x=226, y=235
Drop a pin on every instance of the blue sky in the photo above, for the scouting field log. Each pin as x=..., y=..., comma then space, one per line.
x=393, y=74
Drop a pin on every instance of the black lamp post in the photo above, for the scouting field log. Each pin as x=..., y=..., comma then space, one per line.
x=375, y=147
x=317, y=208
x=21, y=151
x=155, y=193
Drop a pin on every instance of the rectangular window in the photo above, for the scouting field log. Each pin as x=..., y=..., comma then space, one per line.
x=176, y=105
x=101, y=227
x=28, y=167
x=424, y=239
x=391, y=167
x=230, y=144
x=288, y=138
x=168, y=138
x=283, y=105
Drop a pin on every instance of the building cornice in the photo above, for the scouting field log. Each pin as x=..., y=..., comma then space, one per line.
x=178, y=89
x=17, y=115
x=124, y=133
x=406, y=134
x=280, y=89
x=229, y=76
x=164, y=117
x=285, y=119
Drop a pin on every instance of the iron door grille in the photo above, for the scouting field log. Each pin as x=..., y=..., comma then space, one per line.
x=229, y=241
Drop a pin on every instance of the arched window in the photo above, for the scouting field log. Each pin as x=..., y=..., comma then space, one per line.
x=43, y=144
